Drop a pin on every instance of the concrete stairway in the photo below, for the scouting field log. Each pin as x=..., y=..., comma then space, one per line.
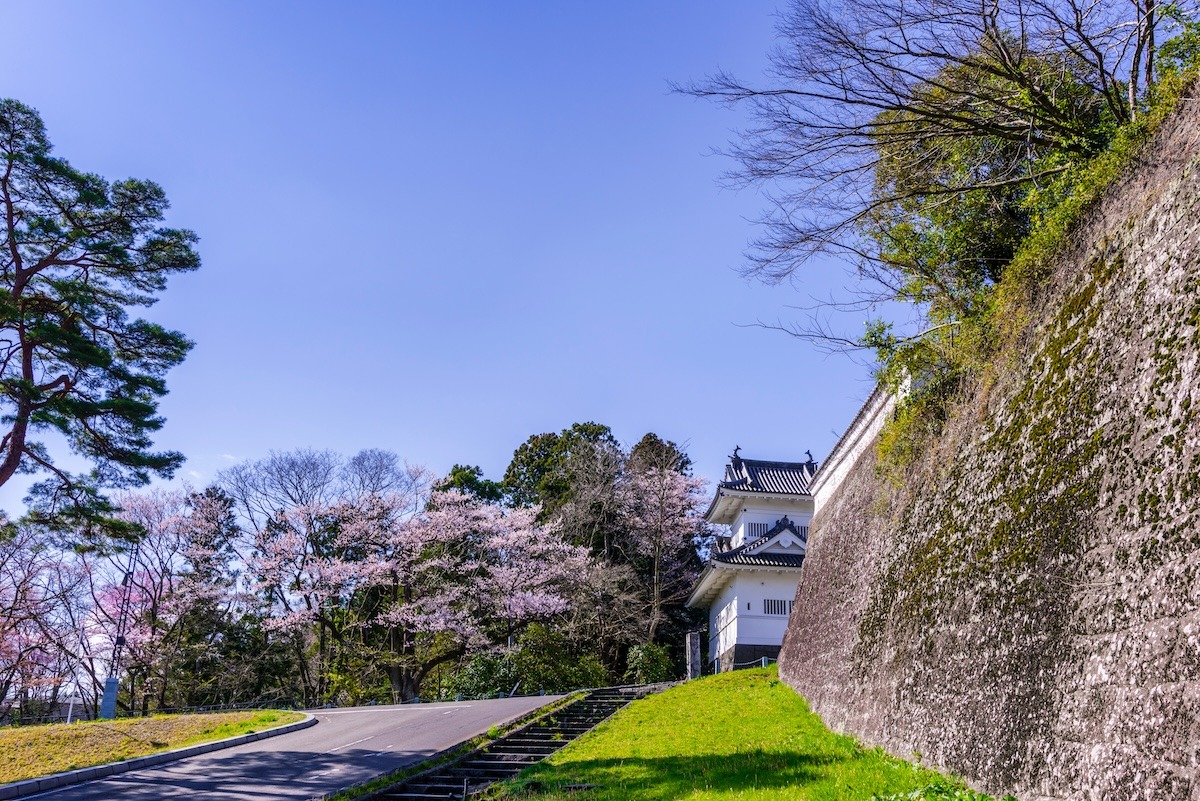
x=507, y=756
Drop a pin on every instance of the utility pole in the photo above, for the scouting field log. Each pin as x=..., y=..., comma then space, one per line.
x=108, y=704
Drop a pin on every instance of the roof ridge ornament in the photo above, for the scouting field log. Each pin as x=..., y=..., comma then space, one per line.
x=735, y=461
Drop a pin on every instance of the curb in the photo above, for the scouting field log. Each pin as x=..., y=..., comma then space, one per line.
x=57, y=780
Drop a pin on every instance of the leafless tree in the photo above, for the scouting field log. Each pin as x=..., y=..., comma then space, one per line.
x=39, y=639
x=379, y=472
x=589, y=514
x=866, y=99
x=283, y=480
x=316, y=479
x=608, y=611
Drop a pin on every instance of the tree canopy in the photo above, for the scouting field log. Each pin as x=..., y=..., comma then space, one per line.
x=470, y=481
x=77, y=253
x=919, y=140
x=540, y=471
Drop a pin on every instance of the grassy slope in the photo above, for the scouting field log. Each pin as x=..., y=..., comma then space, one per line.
x=738, y=735
x=30, y=751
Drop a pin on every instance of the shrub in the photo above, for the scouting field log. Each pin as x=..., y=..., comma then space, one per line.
x=648, y=664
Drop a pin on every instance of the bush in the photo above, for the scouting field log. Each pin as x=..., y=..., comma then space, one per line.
x=547, y=661
x=541, y=660
x=484, y=674
x=650, y=663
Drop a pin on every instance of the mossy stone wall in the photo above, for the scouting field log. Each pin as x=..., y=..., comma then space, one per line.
x=1025, y=609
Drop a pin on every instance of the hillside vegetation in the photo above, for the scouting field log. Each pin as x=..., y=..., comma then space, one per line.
x=742, y=734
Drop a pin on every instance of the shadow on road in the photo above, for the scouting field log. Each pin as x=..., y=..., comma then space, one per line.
x=260, y=775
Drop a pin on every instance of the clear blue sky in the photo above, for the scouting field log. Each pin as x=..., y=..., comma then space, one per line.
x=438, y=228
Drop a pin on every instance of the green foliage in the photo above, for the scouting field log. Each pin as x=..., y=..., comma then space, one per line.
x=470, y=481
x=483, y=674
x=950, y=204
x=78, y=253
x=1063, y=203
x=1180, y=54
x=649, y=664
x=951, y=212
x=541, y=660
x=652, y=450
x=963, y=346
x=540, y=471
x=742, y=734
x=546, y=660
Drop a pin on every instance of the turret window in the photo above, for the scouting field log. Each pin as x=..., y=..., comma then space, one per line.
x=774, y=607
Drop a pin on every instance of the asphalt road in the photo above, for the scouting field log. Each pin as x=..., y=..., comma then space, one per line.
x=347, y=746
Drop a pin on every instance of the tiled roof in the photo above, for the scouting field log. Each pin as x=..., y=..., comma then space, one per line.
x=754, y=475
x=723, y=566
x=742, y=555
x=737, y=557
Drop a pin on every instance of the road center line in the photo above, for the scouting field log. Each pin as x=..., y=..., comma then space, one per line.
x=413, y=708
x=347, y=745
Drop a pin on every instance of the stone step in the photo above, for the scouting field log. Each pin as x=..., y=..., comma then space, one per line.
x=492, y=757
x=473, y=768
x=538, y=750
x=509, y=755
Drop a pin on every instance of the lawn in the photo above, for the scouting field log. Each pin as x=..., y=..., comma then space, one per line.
x=742, y=735
x=27, y=752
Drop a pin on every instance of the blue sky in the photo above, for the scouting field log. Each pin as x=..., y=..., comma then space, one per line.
x=438, y=228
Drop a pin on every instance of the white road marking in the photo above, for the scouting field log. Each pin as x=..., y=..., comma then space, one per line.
x=347, y=745
x=421, y=707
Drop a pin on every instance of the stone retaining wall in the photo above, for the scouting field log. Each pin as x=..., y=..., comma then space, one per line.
x=1024, y=610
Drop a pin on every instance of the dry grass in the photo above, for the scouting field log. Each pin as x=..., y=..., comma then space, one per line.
x=30, y=751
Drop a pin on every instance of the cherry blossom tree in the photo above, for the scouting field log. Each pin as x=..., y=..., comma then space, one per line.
x=459, y=576
x=42, y=628
x=319, y=523
x=367, y=584
x=302, y=582
x=180, y=584
x=660, y=510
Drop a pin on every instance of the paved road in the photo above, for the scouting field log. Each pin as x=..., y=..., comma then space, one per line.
x=347, y=746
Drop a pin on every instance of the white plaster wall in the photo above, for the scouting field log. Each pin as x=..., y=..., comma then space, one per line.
x=750, y=625
x=866, y=425
x=769, y=511
x=722, y=622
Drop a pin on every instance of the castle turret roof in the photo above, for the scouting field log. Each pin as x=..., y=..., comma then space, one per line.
x=755, y=475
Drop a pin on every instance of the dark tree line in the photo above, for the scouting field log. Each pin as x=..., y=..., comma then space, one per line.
x=306, y=578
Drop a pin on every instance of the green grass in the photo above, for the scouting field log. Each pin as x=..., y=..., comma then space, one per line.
x=742, y=735
x=27, y=752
